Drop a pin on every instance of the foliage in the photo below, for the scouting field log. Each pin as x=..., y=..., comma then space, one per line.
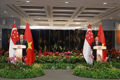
x=115, y=62
x=58, y=59
x=47, y=59
x=59, y=65
x=58, y=48
x=3, y=65
x=113, y=53
x=3, y=59
x=101, y=71
x=19, y=71
x=73, y=59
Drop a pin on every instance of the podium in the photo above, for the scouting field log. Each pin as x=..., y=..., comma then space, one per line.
x=99, y=52
x=19, y=50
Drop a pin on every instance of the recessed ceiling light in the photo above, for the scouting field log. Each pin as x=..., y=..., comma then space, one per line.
x=27, y=1
x=77, y=23
x=104, y=3
x=37, y=18
x=67, y=2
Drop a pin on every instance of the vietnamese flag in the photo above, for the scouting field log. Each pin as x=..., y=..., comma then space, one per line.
x=102, y=40
x=30, y=57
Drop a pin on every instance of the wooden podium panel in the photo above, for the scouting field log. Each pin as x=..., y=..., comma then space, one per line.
x=19, y=51
x=99, y=52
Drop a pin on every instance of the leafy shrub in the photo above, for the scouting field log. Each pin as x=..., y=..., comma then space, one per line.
x=48, y=59
x=73, y=59
x=59, y=66
x=21, y=71
x=101, y=71
x=59, y=59
x=3, y=65
x=3, y=59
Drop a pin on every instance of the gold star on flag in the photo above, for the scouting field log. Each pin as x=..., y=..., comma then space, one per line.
x=29, y=45
x=103, y=44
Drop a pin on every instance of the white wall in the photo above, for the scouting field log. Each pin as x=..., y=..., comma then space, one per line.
x=111, y=25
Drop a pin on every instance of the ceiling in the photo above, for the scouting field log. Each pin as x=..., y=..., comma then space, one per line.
x=61, y=13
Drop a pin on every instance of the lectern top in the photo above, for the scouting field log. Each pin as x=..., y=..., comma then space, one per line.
x=19, y=46
x=99, y=47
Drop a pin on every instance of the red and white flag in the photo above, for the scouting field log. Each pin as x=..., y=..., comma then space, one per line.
x=13, y=39
x=87, y=51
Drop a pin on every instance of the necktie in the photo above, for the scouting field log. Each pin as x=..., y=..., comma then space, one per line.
x=96, y=43
x=21, y=42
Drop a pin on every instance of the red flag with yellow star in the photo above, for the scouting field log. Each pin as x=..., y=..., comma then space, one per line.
x=102, y=40
x=30, y=57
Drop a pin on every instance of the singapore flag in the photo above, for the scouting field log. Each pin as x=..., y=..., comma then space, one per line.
x=13, y=39
x=87, y=51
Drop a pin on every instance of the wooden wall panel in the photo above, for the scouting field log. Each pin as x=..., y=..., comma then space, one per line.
x=118, y=36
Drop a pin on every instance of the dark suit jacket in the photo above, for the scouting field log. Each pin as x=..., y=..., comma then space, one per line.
x=24, y=43
x=94, y=51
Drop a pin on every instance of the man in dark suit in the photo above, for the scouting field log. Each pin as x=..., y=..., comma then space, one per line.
x=95, y=43
x=22, y=42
